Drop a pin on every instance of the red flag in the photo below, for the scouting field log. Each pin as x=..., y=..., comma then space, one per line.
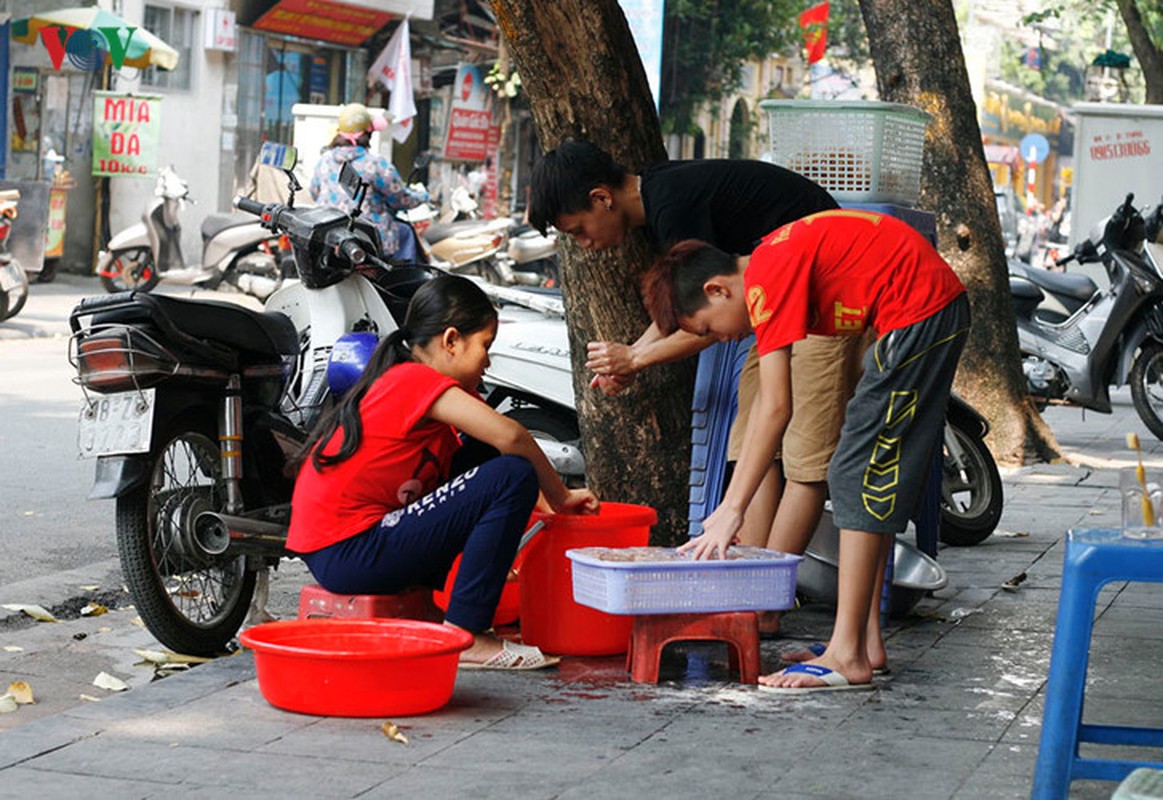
x=814, y=21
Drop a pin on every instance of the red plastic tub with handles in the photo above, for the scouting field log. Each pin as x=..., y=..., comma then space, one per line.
x=550, y=618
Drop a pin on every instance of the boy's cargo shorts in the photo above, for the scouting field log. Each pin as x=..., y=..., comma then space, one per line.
x=824, y=372
x=895, y=422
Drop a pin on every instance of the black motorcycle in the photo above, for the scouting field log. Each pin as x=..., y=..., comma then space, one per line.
x=194, y=410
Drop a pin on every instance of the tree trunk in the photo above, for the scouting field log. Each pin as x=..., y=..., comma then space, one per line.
x=581, y=74
x=917, y=54
x=1148, y=54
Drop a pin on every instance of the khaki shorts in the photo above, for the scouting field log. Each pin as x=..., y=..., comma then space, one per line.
x=824, y=372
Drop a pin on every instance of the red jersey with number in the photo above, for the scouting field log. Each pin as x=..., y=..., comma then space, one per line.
x=837, y=273
x=402, y=457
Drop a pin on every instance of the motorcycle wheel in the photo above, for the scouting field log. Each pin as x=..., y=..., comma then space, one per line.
x=1147, y=386
x=131, y=269
x=192, y=602
x=15, y=298
x=48, y=272
x=971, y=497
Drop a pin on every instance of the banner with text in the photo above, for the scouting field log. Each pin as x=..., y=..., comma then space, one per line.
x=469, y=117
x=125, y=134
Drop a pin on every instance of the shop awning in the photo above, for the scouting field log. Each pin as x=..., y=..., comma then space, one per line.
x=1001, y=154
x=351, y=23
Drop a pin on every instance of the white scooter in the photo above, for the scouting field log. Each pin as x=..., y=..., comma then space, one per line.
x=13, y=280
x=236, y=248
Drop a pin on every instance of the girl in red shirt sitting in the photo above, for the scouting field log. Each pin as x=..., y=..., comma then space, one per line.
x=377, y=508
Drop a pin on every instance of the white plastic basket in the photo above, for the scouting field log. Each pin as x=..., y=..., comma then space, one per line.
x=860, y=151
x=754, y=580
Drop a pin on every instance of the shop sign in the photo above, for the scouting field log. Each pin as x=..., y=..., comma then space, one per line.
x=54, y=242
x=325, y=20
x=125, y=134
x=25, y=80
x=469, y=119
x=1010, y=117
x=220, y=31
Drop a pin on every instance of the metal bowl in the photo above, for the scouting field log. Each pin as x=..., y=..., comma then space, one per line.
x=914, y=573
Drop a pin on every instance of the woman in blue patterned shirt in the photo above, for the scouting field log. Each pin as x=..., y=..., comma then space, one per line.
x=387, y=192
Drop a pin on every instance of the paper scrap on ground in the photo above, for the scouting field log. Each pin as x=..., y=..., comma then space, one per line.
x=21, y=692
x=93, y=610
x=392, y=731
x=7, y=704
x=106, y=681
x=168, y=657
x=13, y=648
x=32, y=610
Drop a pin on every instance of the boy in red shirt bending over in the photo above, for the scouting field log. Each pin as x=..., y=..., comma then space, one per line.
x=834, y=273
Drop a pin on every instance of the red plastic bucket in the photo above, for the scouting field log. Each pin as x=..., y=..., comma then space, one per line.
x=550, y=618
x=356, y=667
x=509, y=605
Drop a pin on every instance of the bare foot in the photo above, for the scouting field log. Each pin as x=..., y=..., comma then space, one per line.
x=855, y=674
x=483, y=647
x=877, y=657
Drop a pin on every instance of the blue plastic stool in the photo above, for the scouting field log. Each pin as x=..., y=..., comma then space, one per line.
x=1093, y=559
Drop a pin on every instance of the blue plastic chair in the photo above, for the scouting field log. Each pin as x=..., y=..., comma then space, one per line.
x=1093, y=559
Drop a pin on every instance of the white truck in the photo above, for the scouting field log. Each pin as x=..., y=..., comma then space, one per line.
x=1117, y=149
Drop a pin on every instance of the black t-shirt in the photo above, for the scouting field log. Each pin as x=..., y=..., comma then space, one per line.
x=730, y=203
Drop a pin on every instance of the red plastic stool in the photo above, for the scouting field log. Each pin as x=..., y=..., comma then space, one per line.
x=652, y=632
x=315, y=602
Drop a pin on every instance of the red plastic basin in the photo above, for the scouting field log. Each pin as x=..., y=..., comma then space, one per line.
x=550, y=618
x=356, y=667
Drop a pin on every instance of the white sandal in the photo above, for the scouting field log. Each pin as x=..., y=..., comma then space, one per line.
x=514, y=657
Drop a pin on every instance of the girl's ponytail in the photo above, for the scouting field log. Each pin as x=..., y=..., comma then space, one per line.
x=345, y=414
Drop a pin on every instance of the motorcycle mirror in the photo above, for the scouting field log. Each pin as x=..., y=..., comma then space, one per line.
x=279, y=156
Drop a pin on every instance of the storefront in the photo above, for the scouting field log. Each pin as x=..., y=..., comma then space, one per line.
x=1006, y=116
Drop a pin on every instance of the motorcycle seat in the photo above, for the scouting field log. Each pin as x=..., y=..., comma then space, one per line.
x=255, y=336
x=216, y=223
x=1064, y=284
x=528, y=248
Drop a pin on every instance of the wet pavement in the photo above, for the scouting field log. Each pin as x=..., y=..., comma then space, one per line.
x=959, y=716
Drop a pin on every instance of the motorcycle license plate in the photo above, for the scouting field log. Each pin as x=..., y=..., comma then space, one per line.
x=116, y=424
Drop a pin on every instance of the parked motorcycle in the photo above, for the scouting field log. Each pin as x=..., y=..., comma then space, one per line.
x=13, y=280
x=236, y=249
x=530, y=258
x=193, y=409
x=1077, y=340
x=530, y=376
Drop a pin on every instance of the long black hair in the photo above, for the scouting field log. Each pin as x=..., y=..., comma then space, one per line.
x=447, y=301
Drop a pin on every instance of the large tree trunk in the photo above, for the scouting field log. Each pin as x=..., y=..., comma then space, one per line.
x=917, y=54
x=1147, y=52
x=582, y=76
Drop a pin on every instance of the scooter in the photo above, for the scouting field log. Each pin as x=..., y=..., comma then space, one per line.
x=530, y=377
x=194, y=410
x=236, y=249
x=13, y=280
x=1077, y=340
x=530, y=259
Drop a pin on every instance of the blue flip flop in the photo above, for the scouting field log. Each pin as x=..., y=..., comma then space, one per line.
x=817, y=649
x=833, y=681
